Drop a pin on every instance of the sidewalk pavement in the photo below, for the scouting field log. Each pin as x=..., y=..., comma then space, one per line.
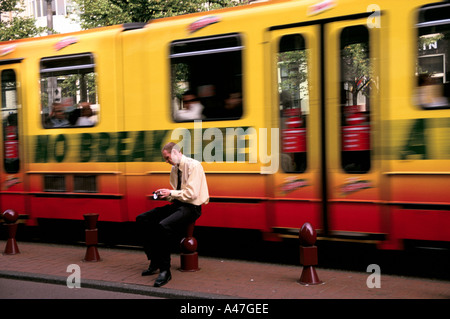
x=120, y=270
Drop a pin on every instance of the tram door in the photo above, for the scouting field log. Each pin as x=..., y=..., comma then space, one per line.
x=352, y=133
x=11, y=173
x=327, y=108
x=296, y=185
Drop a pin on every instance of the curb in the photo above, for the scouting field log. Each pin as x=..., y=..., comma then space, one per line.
x=113, y=286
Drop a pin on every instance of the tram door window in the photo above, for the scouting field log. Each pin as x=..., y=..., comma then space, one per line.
x=211, y=69
x=356, y=78
x=294, y=102
x=69, y=91
x=10, y=123
x=433, y=52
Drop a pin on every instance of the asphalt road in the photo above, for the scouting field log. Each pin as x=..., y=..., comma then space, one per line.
x=21, y=289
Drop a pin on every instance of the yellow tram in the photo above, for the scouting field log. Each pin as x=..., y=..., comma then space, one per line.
x=332, y=112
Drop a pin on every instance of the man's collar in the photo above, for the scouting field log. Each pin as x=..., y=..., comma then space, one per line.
x=182, y=160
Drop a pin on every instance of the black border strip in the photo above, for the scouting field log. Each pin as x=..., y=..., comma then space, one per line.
x=83, y=195
x=10, y=61
x=414, y=206
x=321, y=21
x=236, y=200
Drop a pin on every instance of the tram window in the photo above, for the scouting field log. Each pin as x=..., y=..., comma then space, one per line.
x=85, y=184
x=293, y=102
x=68, y=91
x=356, y=79
x=54, y=183
x=433, y=52
x=11, y=159
x=207, y=78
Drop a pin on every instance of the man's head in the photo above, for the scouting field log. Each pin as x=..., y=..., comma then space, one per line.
x=171, y=153
x=188, y=98
x=86, y=109
x=58, y=111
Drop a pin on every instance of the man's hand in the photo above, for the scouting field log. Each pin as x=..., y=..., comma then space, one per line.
x=163, y=192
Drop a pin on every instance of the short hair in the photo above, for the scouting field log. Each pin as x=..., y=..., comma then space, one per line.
x=171, y=145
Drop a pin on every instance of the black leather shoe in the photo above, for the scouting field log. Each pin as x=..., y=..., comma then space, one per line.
x=150, y=271
x=163, y=278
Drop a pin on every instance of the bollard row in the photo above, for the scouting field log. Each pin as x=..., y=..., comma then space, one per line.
x=188, y=245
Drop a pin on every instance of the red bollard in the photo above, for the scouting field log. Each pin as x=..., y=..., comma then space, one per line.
x=10, y=217
x=91, y=238
x=308, y=255
x=189, y=256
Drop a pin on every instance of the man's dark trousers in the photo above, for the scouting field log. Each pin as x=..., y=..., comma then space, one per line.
x=161, y=226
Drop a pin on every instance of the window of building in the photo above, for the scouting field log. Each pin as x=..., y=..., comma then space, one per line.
x=293, y=101
x=433, y=52
x=68, y=91
x=39, y=9
x=356, y=80
x=207, y=78
x=10, y=124
x=60, y=7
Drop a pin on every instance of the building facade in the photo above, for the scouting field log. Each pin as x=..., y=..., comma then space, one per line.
x=64, y=19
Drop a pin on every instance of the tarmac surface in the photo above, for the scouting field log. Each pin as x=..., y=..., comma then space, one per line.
x=120, y=270
x=25, y=290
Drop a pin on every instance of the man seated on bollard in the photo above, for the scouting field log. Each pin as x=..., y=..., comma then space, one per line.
x=161, y=225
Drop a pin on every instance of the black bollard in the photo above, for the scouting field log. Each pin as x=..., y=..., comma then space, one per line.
x=308, y=255
x=10, y=217
x=91, y=238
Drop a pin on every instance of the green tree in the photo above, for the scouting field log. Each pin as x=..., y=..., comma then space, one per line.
x=17, y=27
x=99, y=13
x=357, y=68
x=109, y=12
x=294, y=64
x=8, y=5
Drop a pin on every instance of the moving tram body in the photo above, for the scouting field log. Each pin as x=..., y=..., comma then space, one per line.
x=335, y=113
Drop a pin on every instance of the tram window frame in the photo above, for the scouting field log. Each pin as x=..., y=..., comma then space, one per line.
x=75, y=91
x=54, y=183
x=10, y=122
x=432, y=89
x=293, y=88
x=85, y=183
x=355, y=118
x=217, y=87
